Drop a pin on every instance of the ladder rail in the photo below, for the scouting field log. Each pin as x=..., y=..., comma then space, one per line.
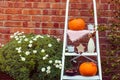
x=97, y=38
x=65, y=38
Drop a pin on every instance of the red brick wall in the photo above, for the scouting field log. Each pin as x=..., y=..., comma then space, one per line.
x=47, y=16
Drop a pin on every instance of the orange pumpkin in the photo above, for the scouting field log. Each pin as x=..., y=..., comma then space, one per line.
x=88, y=69
x=76, y=24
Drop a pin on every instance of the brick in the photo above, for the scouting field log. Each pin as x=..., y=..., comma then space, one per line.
x=105, y=1
x=74, y=1
x=44, y=31
x=55, y=32
x=13, y=24
x=85, y=13
x=57, y=6
x=1, y=10
x=2, y=17
x=10, y=4
x=47, y=25
x=1, y=23
x=21, y=17
x=86, y=1
x=19, y=5
x=38, y=31
x=36, y=18
x=6, y=37
x=58, y=19
x=46, y=12
x=33, y=0
x=41, y=5
x=5, y=30
x=45, y=18
x=32, y=12
x=13, y=11
x=28, y=5
x=104, y=6
x=55, y=12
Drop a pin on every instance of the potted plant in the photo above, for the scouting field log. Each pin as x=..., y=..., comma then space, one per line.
x=31, y=57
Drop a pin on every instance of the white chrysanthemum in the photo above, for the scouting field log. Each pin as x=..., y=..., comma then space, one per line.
x=43, y=69
x=58, y=39
x=16, y=38
x=35, y=39
x=37, y=36
x=2, y=45
x=48, y=35
x=19, y=51
x=48, y=67
x=23, y=58
x=23, y=36
x=19, y=41
x=30, y=45
x=27, y=52
x=19, y=48
x=11, y=36
x=44, y=58
x=46, y=55
x=34, y=51
x=26, y=39
x=59, y=62
x=56, y=61
x=48, y=71
x=30, y=41
x=50, y=61
x=49, y=45
x=57, y=66
x=42, y=50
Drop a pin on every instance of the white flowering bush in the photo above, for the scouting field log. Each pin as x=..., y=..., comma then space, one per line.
x=32, y=57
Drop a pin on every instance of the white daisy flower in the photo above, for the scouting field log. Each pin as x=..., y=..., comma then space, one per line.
x=11, y=36
x=2, y=45
x=27, y=52
x=19, y=41
x=50, y=61
x=46, y=55
x=48, y=67
x=30, y=45
x=48, y=71
x=30, y=41
x=49, y=45
x=35, y=39
x=56, y=61
x=44, y=58
x=58, y=39
x=26, y=39
x=19, y=48
x=48, y=35
x=43, y=69
x=57, y=66
x=59, y=62
x=34, y=51
x=23, y=58
x=42, y=50
x=19, y=51
x=23, y=36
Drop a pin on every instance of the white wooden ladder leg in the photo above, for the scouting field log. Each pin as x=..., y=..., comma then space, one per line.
x=65, y=39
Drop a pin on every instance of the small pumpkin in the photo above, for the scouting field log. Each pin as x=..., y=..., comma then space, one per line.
x=76, y=24
x=88, y=69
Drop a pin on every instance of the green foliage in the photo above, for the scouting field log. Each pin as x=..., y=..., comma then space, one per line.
x=32, y=57
x=112, y=62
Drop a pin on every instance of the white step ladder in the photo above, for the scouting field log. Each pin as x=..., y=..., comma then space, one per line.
x=65, y=54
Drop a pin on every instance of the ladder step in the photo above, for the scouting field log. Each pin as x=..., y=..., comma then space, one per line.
x=79, y=77
x=82, y=54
